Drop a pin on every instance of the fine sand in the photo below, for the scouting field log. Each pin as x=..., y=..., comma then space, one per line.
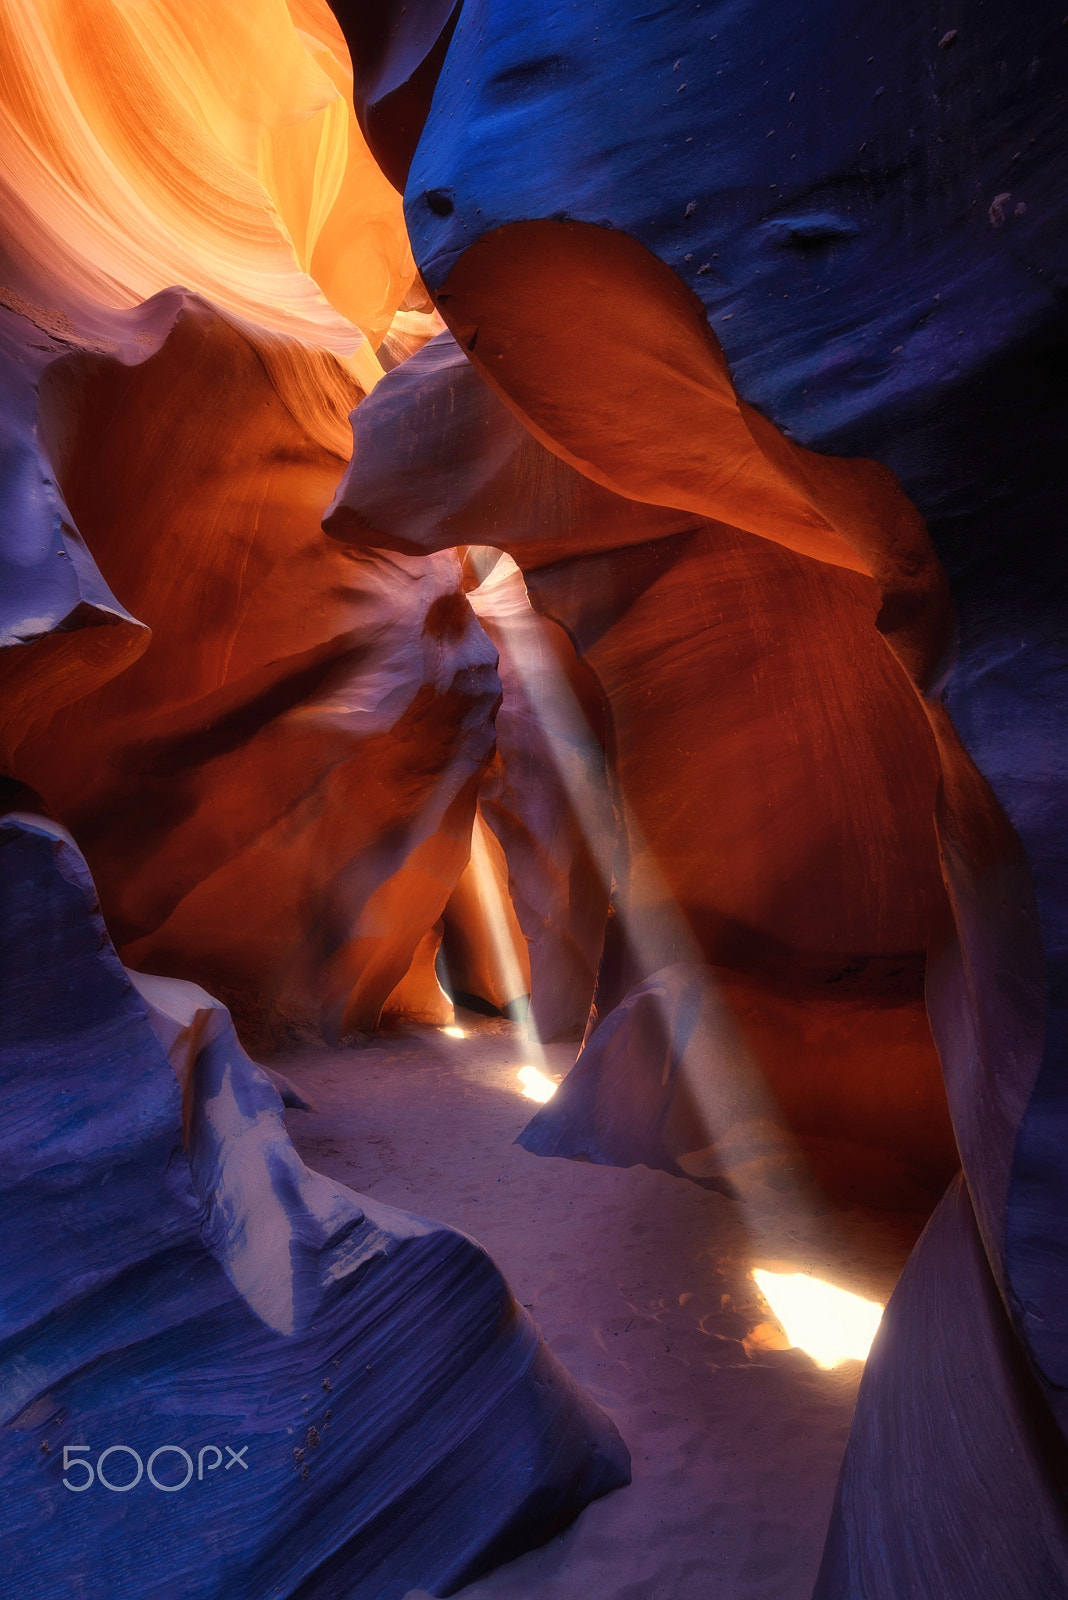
x=640, y=1283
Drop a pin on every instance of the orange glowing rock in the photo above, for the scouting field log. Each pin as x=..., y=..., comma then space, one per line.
x=784, y=798
x=627, y=382
x=783, y=804
x=277, y=797
x=773, y=771
x=485, y=953
x=157, y=144
x=700, y=1071
x=419, y=997
x=216, y=788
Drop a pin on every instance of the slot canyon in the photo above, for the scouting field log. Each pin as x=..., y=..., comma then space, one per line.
x=533, y=727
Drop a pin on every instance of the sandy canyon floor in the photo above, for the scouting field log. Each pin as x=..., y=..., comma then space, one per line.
x=641, y=1284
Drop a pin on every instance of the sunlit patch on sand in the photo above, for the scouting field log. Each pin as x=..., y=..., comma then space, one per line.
x=829, y=1324
x=536, y=1086
x=454, y=1033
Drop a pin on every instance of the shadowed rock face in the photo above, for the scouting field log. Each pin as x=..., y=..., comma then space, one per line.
x=277, y=802
x=908, y=317
x=398, y=51
x=63, y=631
x=179, y=1278
x=1000, y=1469
x=869, y=210
x=280, y=804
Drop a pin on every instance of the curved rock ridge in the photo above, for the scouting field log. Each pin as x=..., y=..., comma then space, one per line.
x=62, y=631
x=823, y=248
x=743, y=265
x=156, y=144
x=694, y=444
x=481, y=478
x=150, y=147
x=769, y=783
x=398, y=51
x=871, y=219
x=180, y=1281
x=276, y=800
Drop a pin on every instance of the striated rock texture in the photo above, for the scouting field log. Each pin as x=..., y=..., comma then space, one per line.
x=215, y=791
x=161, y=144
x=362, y=1407
x=992, y=1466
x=774, y=271
x=276, y=800
x=774, y=778
x=224, y=1374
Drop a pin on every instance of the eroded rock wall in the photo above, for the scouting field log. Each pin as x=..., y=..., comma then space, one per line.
x=741, y=265
x=774, y=778
x=277, y=800
x=301, y=1391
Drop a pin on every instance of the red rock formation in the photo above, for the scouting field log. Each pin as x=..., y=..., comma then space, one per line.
x=778, y=775
x=779, y=782
x=691, y=443
x=774, y=773
x=277, y=799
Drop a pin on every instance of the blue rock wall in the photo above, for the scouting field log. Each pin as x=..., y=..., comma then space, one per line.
x=223, y=1374
x=870, y=205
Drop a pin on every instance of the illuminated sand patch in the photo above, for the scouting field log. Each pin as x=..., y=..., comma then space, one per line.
x=536, y=1086
x=829, y=1324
